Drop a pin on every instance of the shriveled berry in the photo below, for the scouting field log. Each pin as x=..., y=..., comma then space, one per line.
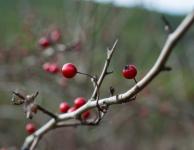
x=69, y=70
x=44, y=42
x=30, y=128
x=129, y=72
x=64, y=107
x=78, y=102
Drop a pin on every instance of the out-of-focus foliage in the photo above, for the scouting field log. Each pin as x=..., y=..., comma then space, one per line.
x=160, y=118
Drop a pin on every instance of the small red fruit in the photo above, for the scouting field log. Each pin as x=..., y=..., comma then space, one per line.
x=53, y=68
x=129, y=71
x=69, y=70
x=78, y=102
x=71, y=109
x=85, y=115
x=30, y=128
x=44, y=42
x=46, y=67
x=55, y=36
x=64, y=107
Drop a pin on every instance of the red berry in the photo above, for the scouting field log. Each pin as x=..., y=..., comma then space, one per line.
x=69, y=70
x=53, y=68
x=44, y=42
x=129, y=72
x=46, y=67
x=55, y=36
x=71, y=109
x=64, y=107
x=30, y=128
x=85, y=115
x=78, y=102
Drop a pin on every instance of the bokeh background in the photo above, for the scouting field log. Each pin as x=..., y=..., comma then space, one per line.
x=161, y=118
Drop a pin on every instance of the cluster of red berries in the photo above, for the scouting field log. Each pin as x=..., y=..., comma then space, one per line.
x=52, y=38
x=51, y=68
x=68, y=70
x=64, y=107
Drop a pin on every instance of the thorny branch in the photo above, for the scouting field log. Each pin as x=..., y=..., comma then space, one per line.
x=62, y=120
x=105, y=68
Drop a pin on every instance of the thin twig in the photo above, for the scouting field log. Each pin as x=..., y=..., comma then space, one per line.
x=19, y=95
x=104, y=71
x=46, y=112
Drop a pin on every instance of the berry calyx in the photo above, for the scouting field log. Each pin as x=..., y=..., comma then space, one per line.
x=30, y=128
x=78, y=102
x=64, y=107
x=71, y=109
x=69, y=70
x=129, y=72
x=44, y=42
x=86, y=115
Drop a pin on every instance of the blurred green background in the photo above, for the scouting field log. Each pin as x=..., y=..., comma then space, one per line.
x=161, y=118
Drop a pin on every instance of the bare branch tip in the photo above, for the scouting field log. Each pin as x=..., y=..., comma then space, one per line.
x=115, y=43
x=168, y=26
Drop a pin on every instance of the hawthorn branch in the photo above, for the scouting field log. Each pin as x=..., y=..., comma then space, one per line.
x=172, y=40
x=105, y=68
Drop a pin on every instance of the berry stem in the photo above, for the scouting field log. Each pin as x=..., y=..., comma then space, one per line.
x=135, y=80
x=90, y=76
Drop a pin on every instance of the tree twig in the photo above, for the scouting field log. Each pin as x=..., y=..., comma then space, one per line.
x=46, y=112
x=104, y=70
